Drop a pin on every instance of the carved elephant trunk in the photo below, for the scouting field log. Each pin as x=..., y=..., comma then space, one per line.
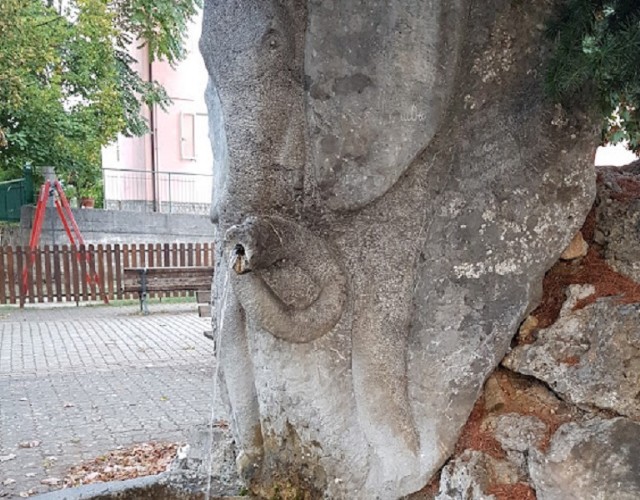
x=260, y=243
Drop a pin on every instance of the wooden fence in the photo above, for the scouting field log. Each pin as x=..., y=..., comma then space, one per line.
x=58, y=273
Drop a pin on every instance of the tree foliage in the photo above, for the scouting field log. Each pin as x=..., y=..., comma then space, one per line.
x=597, y=60
x=67, y=85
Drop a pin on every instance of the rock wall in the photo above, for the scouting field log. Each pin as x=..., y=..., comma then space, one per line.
x=561, y=417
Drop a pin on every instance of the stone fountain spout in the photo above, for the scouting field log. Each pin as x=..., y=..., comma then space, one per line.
x=261, y=249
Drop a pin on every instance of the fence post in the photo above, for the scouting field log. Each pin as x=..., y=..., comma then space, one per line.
x=29, y=186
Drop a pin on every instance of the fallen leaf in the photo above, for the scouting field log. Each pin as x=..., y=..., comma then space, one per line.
x=51, y=481
x=8, y=481
x=68, y=405
x=30, y=474
x=123, y=463
x=29, y=444
x=6, y=458
x=23, y=399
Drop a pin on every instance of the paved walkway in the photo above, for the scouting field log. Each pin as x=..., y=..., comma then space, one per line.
x=85, y=380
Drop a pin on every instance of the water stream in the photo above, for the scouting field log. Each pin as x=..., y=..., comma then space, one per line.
x=217, y=350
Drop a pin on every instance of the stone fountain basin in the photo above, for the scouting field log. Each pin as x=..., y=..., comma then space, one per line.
x=149, y=487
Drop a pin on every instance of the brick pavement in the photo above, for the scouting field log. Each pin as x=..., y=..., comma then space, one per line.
x=86, y=380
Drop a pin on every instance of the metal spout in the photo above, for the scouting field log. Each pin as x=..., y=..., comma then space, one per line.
x=240, y=263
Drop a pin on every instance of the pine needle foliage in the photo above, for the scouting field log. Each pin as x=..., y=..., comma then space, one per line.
x=596, y=60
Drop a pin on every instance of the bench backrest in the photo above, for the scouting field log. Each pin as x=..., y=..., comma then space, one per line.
x=167, y=279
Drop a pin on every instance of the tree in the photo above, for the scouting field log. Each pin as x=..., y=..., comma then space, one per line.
x=67, y=87
x=596, y=60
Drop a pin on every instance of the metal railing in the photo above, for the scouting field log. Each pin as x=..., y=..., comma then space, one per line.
x=172, y=192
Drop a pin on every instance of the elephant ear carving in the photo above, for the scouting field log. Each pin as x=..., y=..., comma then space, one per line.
x=378, y=77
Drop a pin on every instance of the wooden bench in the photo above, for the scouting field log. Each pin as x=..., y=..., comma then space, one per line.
x=203, y=298
x=145, y=280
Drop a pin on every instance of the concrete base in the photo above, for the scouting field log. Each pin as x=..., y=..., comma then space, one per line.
x=112, y=226
x=149, y=487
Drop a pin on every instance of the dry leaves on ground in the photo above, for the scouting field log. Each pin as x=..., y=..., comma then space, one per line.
x=143, y=459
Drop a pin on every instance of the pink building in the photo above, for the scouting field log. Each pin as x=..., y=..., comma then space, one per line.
x=168, y=170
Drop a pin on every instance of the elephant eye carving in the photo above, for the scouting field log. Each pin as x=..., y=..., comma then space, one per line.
x=271, y=39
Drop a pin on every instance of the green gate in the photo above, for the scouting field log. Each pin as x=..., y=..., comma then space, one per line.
x=14, y=194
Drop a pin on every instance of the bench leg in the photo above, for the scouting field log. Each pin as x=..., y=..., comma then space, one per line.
x=144, y=306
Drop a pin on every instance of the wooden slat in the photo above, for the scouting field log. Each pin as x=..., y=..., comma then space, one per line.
x=104, y=282
x=174, y=255
x=170, y=271
x=208, y=254
x=75, y=272
x=67, y=263
x=190, y=261
x=198, y=254
x=150, y=262
x=183, y=254
x=108, y=257
x=142, y=255
x=38, y=279
x=158, y=260
x=166, y=250
x=19, y=268
x=125, y=263
x=174, y=263
x=162, y=287
x=11, y=278
x=29, y=262
x=203, y=296
x=91, y=269
x=150, y=255
x=183, y=262
x=84, y=286
x=48, y=276
x=199, y=282
x=134, y=256
x=3, y=285
x=204, y=310
x=190, y=255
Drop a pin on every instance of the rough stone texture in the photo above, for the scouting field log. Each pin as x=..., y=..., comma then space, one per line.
x=618, y=215
x=518, y=433
x=576, y=249
x=395, y=208
x=589, y=356
x=517, y=436
x=468, y=477
x=207, y=463
x=596, y=460
x=515, y=417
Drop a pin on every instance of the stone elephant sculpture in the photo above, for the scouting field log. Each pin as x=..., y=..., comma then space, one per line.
x=388, y=191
